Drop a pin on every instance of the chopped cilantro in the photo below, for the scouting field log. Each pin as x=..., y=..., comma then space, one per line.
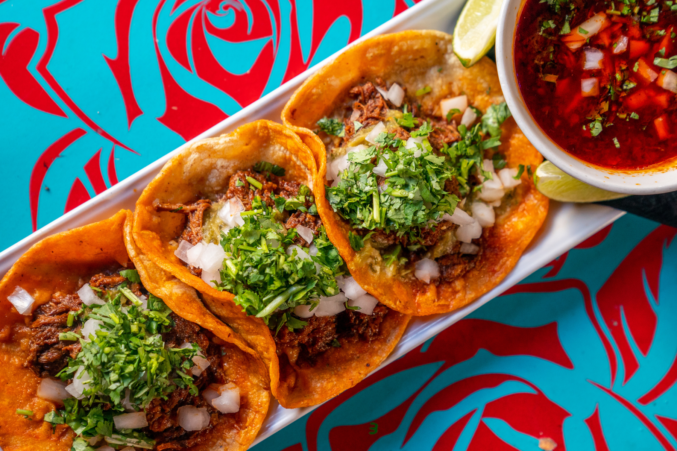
x=566, y=28
x=581, y=30
x=239, y=182
x=264, y=166
x=493, y=118
x=25, y=413
x=629, y=85
x=335, y=343
x=451, y=113
x=520, y=171
x=407, y=120
x=499, y=161
x=357, y=125
x=652, y=17
x=547, y=25
x=634, y=115
x=131, y=274
x=616, y=143
x=356, y=241
x=269, y=279
x=636, y=66
x=423, y=91
x=331, y=126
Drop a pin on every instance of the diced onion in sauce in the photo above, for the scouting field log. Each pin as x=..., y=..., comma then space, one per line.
x=455, y=103
x=593, y=59
x=366, y=303
x=427, y=269
x=52, y=390
x=135, y=420
x=621, y=45
x=483, y=214
x=668, y=80
x=592, y=26
x=22, y=301
x=192, y=418
x=589, y=87
x=467, y=233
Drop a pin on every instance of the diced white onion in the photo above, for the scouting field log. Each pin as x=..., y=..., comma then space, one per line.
x=230, y=213
x=507, y=177
x=483, y=213
x=193, y=418
x=21, y=300
x=88, y=296
x=181, y=252
x=413, y=143
x=90, y=327
x=492, y=189
x=313, y=250
x=396, y=94
x=592, y=58
x=303, y=311
x=299, y=251
x=366, y=303
x=229, y=399
x=381, y=168
x=193, y=254
x=126, y=401
x=493, y=183
x=373, y=134
x=80, y=379
x=52, y=390
x=469, y=248
x=496, y=203
x=459, y=103
x=621, y=45
x=467, y=233
x=383, y=92
x=305, y=233
x=459, y=217
x=201, y=364
x=330, y=306
x=469, y=116
x=589, y=87
x=668, y=80
x=94, y=440
x=134, y=420
x=427, y=269
x=352, y=289
x=340, y=164
x=487, y=165
x=210, y=276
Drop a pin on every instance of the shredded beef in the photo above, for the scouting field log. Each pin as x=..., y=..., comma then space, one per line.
x=304, y=346
x=47, y=354
x=195, y=212
x=443, y=133
x=430, y=236
x=455, y=265
x=369, y=109
x=104, y=281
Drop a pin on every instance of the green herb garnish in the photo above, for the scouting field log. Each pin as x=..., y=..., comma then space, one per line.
x=264, y=166
x=423, y=91
x=331, y=126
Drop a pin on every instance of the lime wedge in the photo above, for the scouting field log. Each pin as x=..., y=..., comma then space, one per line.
x=557, y=185
x=475, y=31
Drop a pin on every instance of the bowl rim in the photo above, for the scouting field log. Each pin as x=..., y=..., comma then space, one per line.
x=657, y=180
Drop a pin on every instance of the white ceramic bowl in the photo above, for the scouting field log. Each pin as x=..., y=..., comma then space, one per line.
x=656, y=179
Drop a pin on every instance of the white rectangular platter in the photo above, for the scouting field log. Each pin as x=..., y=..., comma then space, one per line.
x=565, y=227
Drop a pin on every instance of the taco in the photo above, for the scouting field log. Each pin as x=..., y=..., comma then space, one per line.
x=100, y=348
x=234, y=217
x=423, y=178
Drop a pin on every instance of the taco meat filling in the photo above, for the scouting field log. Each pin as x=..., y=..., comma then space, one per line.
x=292, y=206
x=417, y=183
x=50, y=355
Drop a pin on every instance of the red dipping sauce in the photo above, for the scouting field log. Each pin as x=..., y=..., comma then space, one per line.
x=596, y=76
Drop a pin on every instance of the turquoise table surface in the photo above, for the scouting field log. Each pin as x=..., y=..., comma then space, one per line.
x=581, y=355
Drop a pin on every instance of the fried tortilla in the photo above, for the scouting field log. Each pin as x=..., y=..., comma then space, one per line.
x=234, y=217
x=403, y=106
x=68, y=276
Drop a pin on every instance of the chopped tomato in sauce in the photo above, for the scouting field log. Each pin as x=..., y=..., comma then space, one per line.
x=598, y=78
